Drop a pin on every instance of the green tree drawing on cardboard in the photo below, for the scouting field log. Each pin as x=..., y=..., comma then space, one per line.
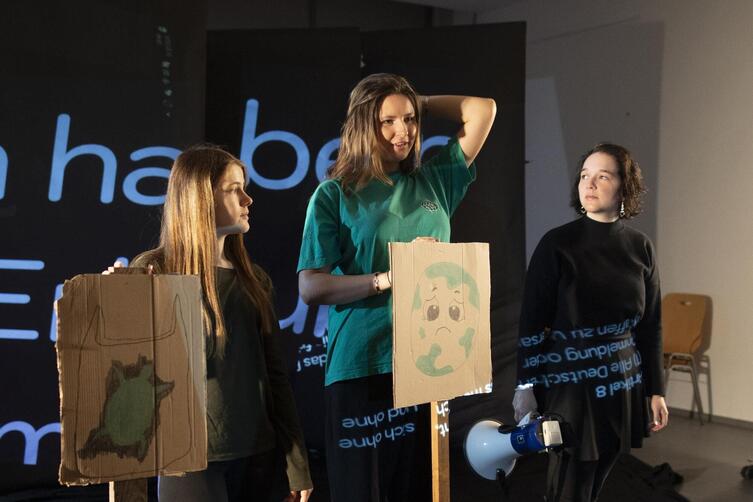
x=126, y=428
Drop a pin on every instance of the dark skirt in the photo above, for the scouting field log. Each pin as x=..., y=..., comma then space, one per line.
x=608, y=402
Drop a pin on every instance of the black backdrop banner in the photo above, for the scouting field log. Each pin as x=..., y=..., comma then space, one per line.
x=96, y=98
x=276, y=98
x=281, y=109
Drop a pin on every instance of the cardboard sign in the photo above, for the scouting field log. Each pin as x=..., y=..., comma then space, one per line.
x=132, y=377
x=440, y=317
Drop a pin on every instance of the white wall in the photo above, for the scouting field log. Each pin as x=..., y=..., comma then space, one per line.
x=673, y=81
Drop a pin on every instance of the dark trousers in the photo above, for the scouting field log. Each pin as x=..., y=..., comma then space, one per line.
x=375, y=453
x=258, y=477
x=572, y=480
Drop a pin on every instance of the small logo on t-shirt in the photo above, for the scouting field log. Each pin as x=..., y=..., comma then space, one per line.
x=429, y=205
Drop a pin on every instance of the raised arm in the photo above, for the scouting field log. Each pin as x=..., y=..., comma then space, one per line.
x=475, y=114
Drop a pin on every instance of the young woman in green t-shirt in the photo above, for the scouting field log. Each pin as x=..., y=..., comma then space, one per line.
x=376, y=193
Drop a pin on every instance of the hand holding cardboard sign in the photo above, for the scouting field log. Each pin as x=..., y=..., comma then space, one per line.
x=425, y=239
x=383, y=280
x=119, y=267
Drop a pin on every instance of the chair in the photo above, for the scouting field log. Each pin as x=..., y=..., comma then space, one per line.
x=686, y=327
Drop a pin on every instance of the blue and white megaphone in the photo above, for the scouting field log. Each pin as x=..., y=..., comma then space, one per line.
x=492, y=448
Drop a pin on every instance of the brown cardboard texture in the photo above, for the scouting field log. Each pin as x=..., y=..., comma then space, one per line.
x=132, y=377
x=440, y=317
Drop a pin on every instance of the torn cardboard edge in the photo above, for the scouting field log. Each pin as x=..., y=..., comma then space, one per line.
x=132, y=377
x=439, y=358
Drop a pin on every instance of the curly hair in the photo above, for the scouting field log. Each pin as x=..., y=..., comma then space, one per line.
x=631, y=177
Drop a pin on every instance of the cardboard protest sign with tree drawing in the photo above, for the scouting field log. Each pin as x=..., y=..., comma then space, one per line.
x=132, y=377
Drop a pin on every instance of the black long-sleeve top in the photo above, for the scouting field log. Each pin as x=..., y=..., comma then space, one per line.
x=250, y=404
x=591, y=320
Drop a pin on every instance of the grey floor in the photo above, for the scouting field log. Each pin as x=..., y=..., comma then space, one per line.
x=708, y=456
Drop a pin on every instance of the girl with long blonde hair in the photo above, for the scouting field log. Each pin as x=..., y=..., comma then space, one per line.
x=252, y=421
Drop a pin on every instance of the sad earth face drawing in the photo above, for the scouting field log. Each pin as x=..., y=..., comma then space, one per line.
x=444, y=317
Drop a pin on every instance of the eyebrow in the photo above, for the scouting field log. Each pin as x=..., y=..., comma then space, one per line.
x=396, y=116
x=601, y=171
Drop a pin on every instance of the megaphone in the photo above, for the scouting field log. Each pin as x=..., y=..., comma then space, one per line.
x=492, y=448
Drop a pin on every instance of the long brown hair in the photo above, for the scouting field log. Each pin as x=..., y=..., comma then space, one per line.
x=188, y=238
x=359, y=158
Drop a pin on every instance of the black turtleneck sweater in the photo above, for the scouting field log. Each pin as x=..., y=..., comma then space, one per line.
x=590, y=328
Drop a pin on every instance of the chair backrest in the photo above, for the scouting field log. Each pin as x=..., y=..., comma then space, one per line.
x=686, y=323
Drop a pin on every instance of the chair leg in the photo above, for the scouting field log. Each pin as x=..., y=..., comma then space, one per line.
x=696, y=390
x=689, y=371
x=707, y=368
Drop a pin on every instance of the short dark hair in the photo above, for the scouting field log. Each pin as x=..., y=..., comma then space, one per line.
x=630, y=176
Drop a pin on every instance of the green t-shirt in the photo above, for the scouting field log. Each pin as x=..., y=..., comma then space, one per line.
x=350, y=233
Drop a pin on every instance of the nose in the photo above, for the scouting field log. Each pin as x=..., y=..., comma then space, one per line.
x=246, y=200
x=402, y=128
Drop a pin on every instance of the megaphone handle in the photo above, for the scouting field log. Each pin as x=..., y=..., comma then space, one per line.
x=502, y=480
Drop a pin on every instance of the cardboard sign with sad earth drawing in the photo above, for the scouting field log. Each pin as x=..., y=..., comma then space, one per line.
x=440, y=313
